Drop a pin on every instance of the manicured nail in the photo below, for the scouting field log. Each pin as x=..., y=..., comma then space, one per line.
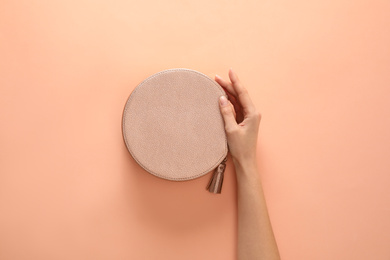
x=223, y=100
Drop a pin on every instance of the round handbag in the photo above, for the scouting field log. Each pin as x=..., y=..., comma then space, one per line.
x=173, y=128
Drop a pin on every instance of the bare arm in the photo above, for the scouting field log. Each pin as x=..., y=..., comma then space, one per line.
x=255, y=236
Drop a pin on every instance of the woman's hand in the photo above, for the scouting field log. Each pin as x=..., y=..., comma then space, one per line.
x=241, y=120
x=255, y=236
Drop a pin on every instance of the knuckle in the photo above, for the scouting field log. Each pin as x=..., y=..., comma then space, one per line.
x=257, y=115
x=226, y=110
x=243, y=91
x=230, y=130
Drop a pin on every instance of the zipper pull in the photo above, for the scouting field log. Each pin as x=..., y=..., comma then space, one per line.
x=215, y=183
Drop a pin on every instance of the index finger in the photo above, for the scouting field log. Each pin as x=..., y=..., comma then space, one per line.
x=242, y=93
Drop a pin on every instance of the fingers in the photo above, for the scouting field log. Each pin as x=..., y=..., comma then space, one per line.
x=226, y=85
x=238, y=91
x=229, y=89
x=234, y=111
x=228, y=113
x=241, y=93
x=233, y=101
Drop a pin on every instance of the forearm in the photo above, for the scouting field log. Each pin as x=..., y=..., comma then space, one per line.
x=255, y=236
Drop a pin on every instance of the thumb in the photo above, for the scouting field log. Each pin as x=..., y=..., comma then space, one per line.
x=227, y=113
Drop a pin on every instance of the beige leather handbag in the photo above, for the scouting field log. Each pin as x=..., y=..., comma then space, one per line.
x=173, y=127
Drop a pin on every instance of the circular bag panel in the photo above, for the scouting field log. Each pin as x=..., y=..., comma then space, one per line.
x=172, y=125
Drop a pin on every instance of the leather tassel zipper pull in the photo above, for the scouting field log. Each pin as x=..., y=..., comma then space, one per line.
x=215, y=183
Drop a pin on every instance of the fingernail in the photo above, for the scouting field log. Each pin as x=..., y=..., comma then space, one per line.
x=223, y=100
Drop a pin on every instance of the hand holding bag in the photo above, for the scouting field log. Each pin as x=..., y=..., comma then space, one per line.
x=173, y=127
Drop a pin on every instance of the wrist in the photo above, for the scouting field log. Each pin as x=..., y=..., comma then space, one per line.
x=247, y=175
x=245, y=163
x=247, y=167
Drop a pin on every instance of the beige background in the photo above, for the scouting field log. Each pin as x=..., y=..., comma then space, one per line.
x=317, y=70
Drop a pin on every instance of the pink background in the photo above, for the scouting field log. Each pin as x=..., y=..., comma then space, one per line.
x=319, y=71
